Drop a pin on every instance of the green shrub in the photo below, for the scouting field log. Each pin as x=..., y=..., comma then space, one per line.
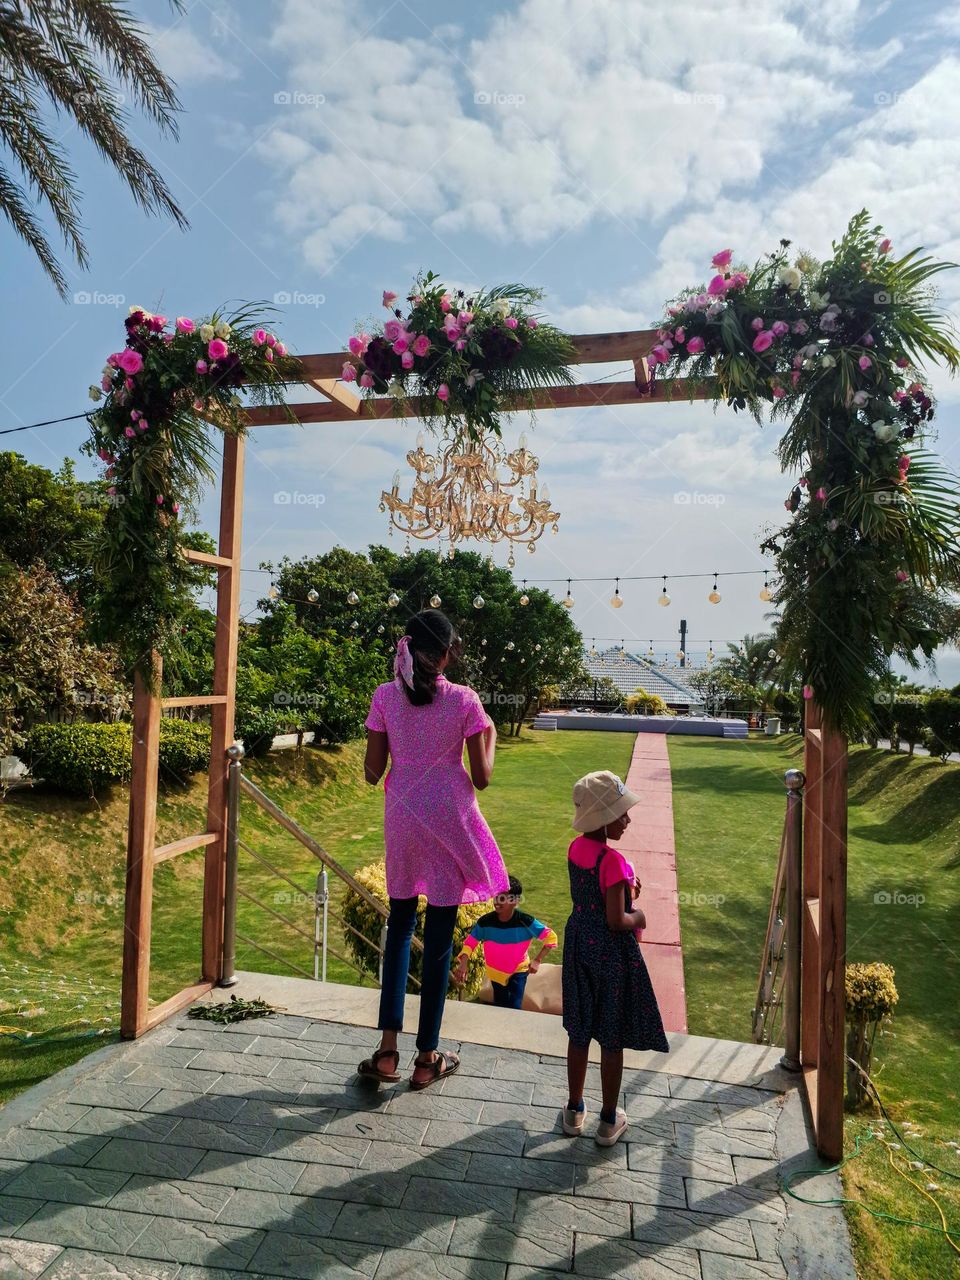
x=257, y=726
x=642, y=703
x=358, y=913
x=943, y=720
x=184, y=748
x=82, y=758
x=910, y=720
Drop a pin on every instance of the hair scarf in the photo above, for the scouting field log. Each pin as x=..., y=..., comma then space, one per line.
x=403, y=662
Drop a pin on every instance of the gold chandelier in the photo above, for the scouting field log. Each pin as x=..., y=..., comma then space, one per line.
x=474, y=489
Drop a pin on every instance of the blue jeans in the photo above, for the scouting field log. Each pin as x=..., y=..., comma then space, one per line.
x=509, y=995
x=437, y=949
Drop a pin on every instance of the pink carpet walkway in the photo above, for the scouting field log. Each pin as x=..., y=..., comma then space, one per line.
x=648, y=843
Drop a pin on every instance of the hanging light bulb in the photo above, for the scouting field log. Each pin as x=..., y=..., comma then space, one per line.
x=663, y=599
x=484, y=641
x=679, y=655
x=565, y=649
x=616, y=600
x=765, y=594
x=568, y=600
x=524, y=599
x=742, y=651
x=392, y=600
x=478, y=602
x=435, y=601
x=354, y=625
x=381, y=629
x=510, y=645
x=593, y=649
x=650, y=650
x=313, y=595
x=772, y=653
x=273, y=592
x=353, y=598
x=536, y=648
x=710, y=654
x=714, y=596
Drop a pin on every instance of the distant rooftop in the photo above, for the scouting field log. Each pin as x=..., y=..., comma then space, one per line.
x=629, y=671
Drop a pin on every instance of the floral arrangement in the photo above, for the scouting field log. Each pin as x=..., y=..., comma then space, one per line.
x=834, y=347
x=471, y=359
x=157, y=397
x=871, y=995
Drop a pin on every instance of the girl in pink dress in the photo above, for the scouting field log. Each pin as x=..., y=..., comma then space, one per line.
x=438, y=844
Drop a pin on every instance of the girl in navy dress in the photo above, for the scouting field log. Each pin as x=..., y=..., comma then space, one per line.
x=607, y=993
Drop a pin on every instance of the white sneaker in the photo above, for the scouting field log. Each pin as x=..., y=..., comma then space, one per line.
x=573, y=1121
x=609, y=1134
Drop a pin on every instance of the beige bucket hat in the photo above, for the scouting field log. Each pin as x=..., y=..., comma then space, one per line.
x=600, y=798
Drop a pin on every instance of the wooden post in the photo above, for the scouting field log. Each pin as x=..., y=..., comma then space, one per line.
x=833, y=924
x=141, y=836
x=222, y=714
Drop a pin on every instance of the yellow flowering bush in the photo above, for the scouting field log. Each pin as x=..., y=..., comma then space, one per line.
x=871, y=994
x=358, y=913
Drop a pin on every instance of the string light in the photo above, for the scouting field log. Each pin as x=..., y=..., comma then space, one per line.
x=313, y=595
x=710, y=654
x=524, y=599
x=663, y=599
x=568, y=602
x=765, y=594
x=435, y=601
x=616, y=600
x=392, y=600
x=714, y=596
x=478, y=602
x=650, y=653
x=353, y=598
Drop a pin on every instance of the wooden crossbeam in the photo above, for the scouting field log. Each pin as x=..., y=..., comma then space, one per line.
x=204, y=557
x=337, y=392
x=205, y=700
x=164, y=852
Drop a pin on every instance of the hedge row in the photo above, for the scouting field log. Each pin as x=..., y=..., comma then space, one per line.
x=932, y=721
x=82, y=759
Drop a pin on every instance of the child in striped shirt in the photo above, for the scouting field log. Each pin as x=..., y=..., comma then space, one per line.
x=505, y=934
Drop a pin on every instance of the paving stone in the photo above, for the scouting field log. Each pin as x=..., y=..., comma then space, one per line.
x=15, y=1211
x=427, y=1162
x=717, y=1091
x=333, y=1182
x=551, y=1146
x=494, y=1064
x=331, y=1033
x=394, y=1228
x=652, y=1083
x=288, y=1027
x=111, y=1122
x=513, y=1171
x=61, y=1117
x=211, y=1135
x=189, y=1079
x=67, y=1183
x=483, y=1236
x=504, y=1140
x=302, y=1215
x=181, y=1240
x=530, y=1119
x=345, y=1056
x=257, y=1173
x=713, y=1166
x=165, y=1055
x=379, y=1127
x=199, y=1201
x=655, y=1224
x=269, y=1115
x=732, y=1117
x=599, y=1182
x=766, y=1237
x=747, y=1202
x=287, y=1069
x=23, y=1260
x=178, y=1105
x=601, y=1256
x=206, y=1036
x=162, y=1159
x=434, y=1106
x=544, y=1212
x=717, y=1266
x=489, y=1090
x=672, y=1110
x=79, y=1264
x=131, y=1097
x=555, y=1096
x=460, y=1199
x=758, y=1173
x=281, y=1047
x=318, y=1148
x=740, y=1142
x=518, y=1272
x=85, y=1227
x=219, y=1062
x=218, y=1273
x=265, y=1088
x=355, y=1095
x=408, y=1264
x=309, y=1257
x=48, y=1145
x=9, y=1170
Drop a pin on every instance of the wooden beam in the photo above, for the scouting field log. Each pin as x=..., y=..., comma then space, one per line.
x=222, y=716
x=204, y=700
x=204, y=557
x=338, y=392
x=164, y=852
x=832, y=958
x=583, y=395
x=141, y=835
x=176, y=1003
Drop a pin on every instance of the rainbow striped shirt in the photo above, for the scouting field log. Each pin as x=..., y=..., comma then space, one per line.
x=505, y=943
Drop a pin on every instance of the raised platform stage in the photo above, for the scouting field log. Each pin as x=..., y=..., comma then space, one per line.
x=704, y=726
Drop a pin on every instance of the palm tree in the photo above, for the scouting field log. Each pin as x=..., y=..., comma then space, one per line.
x=51, y=55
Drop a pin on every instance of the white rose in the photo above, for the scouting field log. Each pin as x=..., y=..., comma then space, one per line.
x=790, y=276
x=147, y=315
x=108, y=371
x=222, y=329
x=884, y=431
x=860, y=398
x=207, y=332
x=819, y=300
x=501, y=307
x=95, y=393
x=827, y=362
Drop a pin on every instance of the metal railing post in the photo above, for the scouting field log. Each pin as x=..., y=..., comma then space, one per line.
x=320, y=917
x=383, y=947
x=235, y=755
x=794, y=782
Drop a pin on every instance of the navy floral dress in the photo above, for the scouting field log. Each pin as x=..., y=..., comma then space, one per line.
x=607, y=993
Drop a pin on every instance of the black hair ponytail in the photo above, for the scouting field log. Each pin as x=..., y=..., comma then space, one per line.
x=432, y=636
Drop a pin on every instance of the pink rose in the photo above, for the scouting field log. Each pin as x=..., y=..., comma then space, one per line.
x=779, y=328
x=680, y=335
x=531, y=323
x=201, y=366
x=867, y=340
x=821, y=494
x=465, y=318
x=271, y=339
x=803, y=482
x=445, y=302
x=443, y=392
x=143, y=424
x=366, y=380
x=899, y=395
x=695, y=345
x=357, y=346
x=763, y=341
x=268, y=355
x=175, y=508
x=217, y=349
x=778, y=392
x=106, y=383
x=280, y=349
x=421, y=345
x=129, y=432
x=865, y=363
x=902, y=362
x=460, y=344
x=134, y=414
x=801, y=327
x=795, y=376
x=757, y=324
x=717, y=287
x=130, y=361
x=722, y=259
x=112, y=491
x=406, y=360
x=260, y=337
x=511, y=322
x=903, y=463
x=391, y=330
x=114, y=359
x=737, y=280
x=128, y=384
x=884, y=246
x=808, y=691
x=198, y=405
x=661, y=354
x=159, y=499
x=185, y=324
x=348, y=373
x=400, y=346
x=902, y=575
x=389, y=298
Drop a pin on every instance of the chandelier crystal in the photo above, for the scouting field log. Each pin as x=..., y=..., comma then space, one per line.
x=475, y=490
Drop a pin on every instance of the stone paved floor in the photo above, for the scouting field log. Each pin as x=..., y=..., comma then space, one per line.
x=253, y=1149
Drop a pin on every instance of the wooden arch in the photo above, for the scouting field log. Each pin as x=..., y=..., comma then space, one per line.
x=825, y=752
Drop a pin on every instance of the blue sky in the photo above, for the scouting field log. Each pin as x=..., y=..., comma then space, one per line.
x=601, y=150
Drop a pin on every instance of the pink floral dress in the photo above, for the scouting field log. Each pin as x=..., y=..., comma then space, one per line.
x=437, y=841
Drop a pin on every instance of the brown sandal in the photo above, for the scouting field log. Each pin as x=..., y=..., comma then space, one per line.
x=370, y=1069
x=445, y=1064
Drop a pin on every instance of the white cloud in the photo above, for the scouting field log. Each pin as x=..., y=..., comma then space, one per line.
x=186, y=58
